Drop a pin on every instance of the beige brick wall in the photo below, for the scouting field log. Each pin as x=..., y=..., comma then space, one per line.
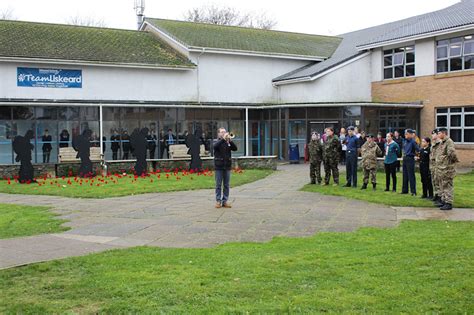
x=441, y=90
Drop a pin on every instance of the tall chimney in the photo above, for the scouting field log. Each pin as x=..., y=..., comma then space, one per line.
x=140, y=11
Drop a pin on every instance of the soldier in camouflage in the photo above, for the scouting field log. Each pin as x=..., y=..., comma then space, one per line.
x=445, y=168
x=434, y=151
x=315, y=149
x=331, y=153
x=369, y=152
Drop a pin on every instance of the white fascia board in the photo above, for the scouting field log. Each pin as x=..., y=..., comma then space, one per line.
x=319, y=75
x=255, y=53
x=263, y=106
x=416, y=37
x=91, y=63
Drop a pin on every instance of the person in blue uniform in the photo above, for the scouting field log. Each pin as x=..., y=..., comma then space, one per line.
x=410, y=149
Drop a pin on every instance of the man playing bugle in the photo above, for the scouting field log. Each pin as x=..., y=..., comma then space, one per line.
x=223, y=164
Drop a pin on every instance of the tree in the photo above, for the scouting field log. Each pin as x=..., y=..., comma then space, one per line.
x=214, y=14
x=7, y=14
x=85, y=21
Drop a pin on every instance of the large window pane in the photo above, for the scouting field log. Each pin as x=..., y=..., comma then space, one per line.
x=455, y=120
x=469, y=62
x=442, y=121
x=455, y=64
x=469, y=135
x=442, y=52
x=468, y=47
x=399, y=72
x=410, y=57
x=387, y=60
x=455, y=134
x=442, y=66
x=469, y=120
x=388, y=73
x=410, y=70
x=455, y=47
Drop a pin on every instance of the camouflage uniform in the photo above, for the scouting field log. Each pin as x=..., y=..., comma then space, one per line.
x=315, y=149
x=331, y=154
x=369, y=153
x=445, y=161
x=434, y=178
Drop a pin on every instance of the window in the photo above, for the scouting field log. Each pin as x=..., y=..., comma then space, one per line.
x=399, y=62
x=455, y=54
x=459, y=121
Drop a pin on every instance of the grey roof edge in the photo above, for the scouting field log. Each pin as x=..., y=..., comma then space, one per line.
x=379, y=43
x=145, y=22
x=310, y=77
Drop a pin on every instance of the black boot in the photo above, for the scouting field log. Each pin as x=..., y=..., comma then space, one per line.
x=364, y=186
x=348, y=185
x=313, y=182
x=374, y=186
x=439, y=203
x=446, y=206
x=387, y=189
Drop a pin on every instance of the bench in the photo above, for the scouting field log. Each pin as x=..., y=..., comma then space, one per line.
x=68, y=155
x=180, y=151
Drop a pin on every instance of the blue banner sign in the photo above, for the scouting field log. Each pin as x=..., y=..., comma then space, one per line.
x=49, y=78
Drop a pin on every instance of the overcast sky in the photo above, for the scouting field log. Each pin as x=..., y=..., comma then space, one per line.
x=312, y=16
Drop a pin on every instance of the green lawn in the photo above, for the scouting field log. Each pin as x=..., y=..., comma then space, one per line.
x=418, y=267
x=18, y=220
x=116, y=185
x=463, y=191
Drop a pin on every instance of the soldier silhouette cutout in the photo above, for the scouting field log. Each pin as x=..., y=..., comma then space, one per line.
x=140, y=146
x=83, y=147
x=193, y=142
x=23, y=147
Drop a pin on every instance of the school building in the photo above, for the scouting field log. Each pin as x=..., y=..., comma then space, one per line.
x=270, y=88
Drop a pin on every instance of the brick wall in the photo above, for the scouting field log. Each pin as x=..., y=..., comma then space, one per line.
x=441, y=90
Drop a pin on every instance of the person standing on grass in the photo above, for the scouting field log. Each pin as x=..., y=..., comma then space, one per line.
x=433, y=155
x=331, y=154
x=223, y=164
x=424, y=159
x=445, y=168
x=315, y=149
x=399, y=140
x=352, y=152
x=391, y=162
x=409, y=149
x=342, y=138
x=369, y=152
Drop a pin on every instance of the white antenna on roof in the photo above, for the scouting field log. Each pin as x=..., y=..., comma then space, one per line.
x=139, y=7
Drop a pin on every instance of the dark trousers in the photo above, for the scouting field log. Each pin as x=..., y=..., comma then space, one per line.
x=426, y=180
x=409, y=174
x=125, y=155
x=152, y=153
x=343, y=157
x=351, y=167
x=222, y=179
x=114, y=155
x=46, y=155
x=391, y=171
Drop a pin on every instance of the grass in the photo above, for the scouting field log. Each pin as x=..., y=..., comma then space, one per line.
x=18, y=220
x=116, y=185
x=463, y=191
x=418, y=267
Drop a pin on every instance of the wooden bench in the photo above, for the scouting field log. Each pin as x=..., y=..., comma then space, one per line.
x=68, y=155
x=180, y=151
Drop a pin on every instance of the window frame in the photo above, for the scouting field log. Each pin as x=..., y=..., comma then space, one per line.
x=446, y=43
x=448, y=114
x=392, y=53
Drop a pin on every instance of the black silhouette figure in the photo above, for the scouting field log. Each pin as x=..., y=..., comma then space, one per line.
x=23, y=147
x=193, y=142
x=140, y=145
x=83, y=147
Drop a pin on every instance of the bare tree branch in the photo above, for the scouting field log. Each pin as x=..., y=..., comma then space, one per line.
x=214, y=14
x=85, y=21
x=7, y=14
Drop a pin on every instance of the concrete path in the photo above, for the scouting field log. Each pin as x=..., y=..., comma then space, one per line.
x=270, y=207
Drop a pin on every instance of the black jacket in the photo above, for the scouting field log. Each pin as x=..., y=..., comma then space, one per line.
x=223, y=154
x=425, y=158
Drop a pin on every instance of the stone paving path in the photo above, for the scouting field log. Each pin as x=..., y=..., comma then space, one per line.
x=261, y=210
